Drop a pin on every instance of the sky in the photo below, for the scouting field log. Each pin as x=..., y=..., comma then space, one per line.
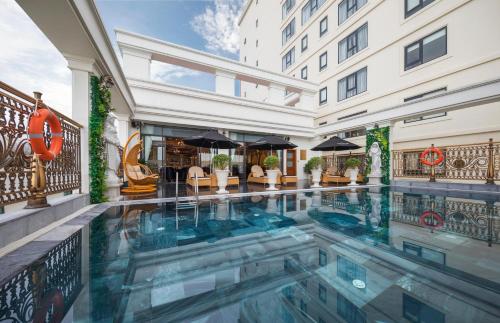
x=31, y=63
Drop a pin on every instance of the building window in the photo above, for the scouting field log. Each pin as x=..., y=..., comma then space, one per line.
x=352, y=85
x=257, y=43
x=416, y=311
x=323, y=26
x=322, y=293
x=256, y=22
x=288, y=32
x=303, y=43
x=323, y=61
x=303, y=73
x=349, y=271
x=323, y=95
x=348, y=7
x=245, y=59
x=424, y=253
x=286, y=7
x=303, y=307
x=348, y=311
x=352, y=133
x=412, y=6
x=426, y=49
x=310, y=8
x=353, y=43
x=322, y=258
x=288, y=59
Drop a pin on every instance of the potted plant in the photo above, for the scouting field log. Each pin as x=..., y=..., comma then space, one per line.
x=221, y=163
x=313, y=166
x=352, y=165
x=271, y=163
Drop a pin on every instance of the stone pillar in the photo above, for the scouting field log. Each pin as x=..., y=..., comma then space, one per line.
x=225, y=83
x=81, y=70
x=276, y=94
x=136, y=64
x=306, y=100
x=123, y=127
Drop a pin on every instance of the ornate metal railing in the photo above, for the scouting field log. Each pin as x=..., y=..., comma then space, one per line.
x=477, y=220
x=338, y=162
x=463, y=162
x=63, y=174
x=31, y=295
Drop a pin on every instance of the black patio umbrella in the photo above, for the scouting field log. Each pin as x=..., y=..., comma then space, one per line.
x=211, y=139
x=335, y=144
x=271, y=142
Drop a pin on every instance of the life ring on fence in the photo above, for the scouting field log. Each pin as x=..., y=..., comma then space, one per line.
x=53, y=300
x=36, y=134
x=439, y=160
x=437, y=220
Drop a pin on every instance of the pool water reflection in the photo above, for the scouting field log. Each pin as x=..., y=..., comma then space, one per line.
x=376, y=255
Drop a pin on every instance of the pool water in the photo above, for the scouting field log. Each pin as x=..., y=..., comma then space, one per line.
x=378, y=255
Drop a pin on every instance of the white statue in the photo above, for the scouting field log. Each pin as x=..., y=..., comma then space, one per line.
x=112, y=143
x=374, y=216
x=375, y=153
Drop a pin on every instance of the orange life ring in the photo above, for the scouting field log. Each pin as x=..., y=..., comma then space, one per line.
x=53, y=300
x=437, y=220
x=437, y=161
x=36, y=130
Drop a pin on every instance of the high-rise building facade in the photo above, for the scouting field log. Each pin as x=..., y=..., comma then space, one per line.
x=371, y=56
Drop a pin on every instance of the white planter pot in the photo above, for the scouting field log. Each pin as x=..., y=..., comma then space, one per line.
x=222, y=176
x=353, y=176
x=316, y=177
x=272, y=176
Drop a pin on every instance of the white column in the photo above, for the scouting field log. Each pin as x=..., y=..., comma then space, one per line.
x=123, y=127
x=225, y=83
x=81, y=70
x=306, y=100
x=136, y=63
x=276, y=94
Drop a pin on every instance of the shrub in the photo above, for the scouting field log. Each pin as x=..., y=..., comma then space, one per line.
x=271, y=162
x=313, y=163
x=220, y=161
x=352, y=162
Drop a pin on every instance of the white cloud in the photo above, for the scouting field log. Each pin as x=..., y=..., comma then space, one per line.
x=29, y=61
x=219, y=26
x=167, y=73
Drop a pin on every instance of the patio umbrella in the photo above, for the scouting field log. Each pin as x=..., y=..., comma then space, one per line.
x=211, y=139
x=271, y=142
x=335, y=144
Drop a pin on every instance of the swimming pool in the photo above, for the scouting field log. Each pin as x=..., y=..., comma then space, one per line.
x=367, y=255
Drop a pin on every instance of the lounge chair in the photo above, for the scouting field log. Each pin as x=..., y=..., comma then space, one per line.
x=330, y=177
x=140, y=178
x=257, y=176
x=288, y=179
x=231, y=180
x=204, y=180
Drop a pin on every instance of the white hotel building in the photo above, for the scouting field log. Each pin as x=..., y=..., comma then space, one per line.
x=379, y=61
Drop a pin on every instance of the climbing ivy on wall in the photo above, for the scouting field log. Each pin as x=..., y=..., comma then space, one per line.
x=380, y=135
x=101, y=105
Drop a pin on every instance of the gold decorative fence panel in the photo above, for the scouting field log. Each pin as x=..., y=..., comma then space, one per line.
x=63, y=174
x=463, y=162
x=338, y=162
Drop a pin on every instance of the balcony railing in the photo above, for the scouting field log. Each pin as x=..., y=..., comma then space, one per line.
x=463, y=162
x=63, y=174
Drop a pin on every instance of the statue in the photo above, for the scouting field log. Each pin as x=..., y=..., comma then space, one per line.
x=375, y=174
x=113, y=158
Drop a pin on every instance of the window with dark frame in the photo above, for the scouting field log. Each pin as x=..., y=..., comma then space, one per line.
x=310, y=8
x=303, y=43
x=323, y=95
x=323, y=26
x=323, y=61
x=353, y=43
x=288, y=32
x=352, y=84
x=413, y=6
x=322, y=258
x=288, y=59
x=286, y=7
x=303, y=73
x=426, y=49
x=347, y=8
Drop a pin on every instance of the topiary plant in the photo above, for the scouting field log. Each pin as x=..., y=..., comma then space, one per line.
x=313, y=163
x=352, y=162
x=221, y=161
x=271, y=162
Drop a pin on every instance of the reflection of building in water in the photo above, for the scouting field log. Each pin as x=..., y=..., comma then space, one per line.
x=301, y=271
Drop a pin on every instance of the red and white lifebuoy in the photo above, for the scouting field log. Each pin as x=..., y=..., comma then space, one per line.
x=431, y=219
x=435, y=162
x=36, y=134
